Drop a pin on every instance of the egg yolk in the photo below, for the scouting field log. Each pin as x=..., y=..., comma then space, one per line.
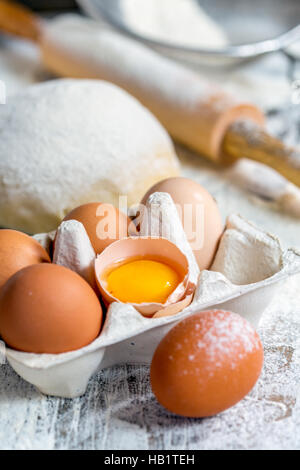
x=142, y=281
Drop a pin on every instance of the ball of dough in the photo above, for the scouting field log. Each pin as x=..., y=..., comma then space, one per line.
x=68, y=142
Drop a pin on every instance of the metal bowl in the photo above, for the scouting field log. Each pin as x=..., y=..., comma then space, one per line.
x=253, y=27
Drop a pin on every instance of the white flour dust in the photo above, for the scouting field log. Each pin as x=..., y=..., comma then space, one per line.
x=182, y=22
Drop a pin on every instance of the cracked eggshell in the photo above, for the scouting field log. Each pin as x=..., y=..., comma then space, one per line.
x=155, y=248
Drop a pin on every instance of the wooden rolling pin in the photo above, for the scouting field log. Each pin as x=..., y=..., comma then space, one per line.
x=195, y=112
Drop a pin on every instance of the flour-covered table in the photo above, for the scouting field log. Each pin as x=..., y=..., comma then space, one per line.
x=119, y=410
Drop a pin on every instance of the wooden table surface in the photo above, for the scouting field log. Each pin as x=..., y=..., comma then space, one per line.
x=119, y=410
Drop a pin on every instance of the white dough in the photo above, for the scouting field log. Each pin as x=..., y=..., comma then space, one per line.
x=68, y=142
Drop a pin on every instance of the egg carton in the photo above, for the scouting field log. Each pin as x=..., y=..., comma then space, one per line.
x=247, y=271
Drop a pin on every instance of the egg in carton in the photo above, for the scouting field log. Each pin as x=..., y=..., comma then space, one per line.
x=247, y=270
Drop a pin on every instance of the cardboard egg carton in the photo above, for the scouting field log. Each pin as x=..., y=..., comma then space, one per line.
x=248, y=269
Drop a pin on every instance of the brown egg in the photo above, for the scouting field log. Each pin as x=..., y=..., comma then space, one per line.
x=103, y=222
x=47, y=308
x=199, y=214
x=206, y=364
x=17, y=251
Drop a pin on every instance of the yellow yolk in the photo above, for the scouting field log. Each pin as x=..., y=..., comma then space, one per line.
x=142, y=281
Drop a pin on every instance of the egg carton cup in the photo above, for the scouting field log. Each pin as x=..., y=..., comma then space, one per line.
x=247, y=271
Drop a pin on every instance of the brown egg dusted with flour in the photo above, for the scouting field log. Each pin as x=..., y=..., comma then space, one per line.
x=104, y=223
x=206, y=364
x=18, y=250
x=48, y=309
x=199, y=214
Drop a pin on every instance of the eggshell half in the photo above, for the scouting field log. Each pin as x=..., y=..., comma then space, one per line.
x=157, y=248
